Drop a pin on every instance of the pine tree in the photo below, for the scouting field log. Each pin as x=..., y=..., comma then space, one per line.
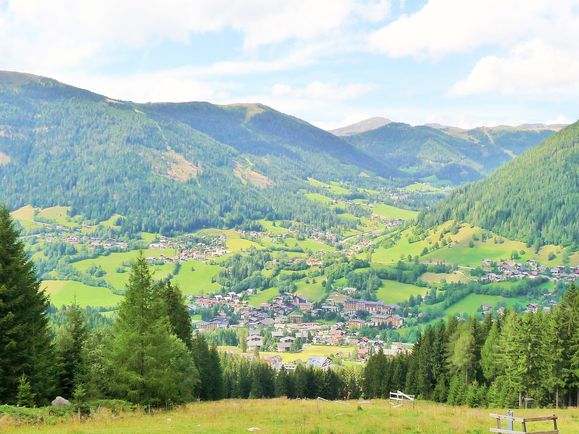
x=25, y=342
x=567, y=324
x=462, y=355
x=490, y=362
x=217, y=374
x=177, y=312
x=512, y=344
x=424, y=353
x=69, y=346
x=24, y=395
x=152, y=366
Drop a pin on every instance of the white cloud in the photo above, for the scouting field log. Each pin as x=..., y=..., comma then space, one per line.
x=532, y=69
x=327, y=91
x=443, y=27
x=535, y=44
x=59, y=34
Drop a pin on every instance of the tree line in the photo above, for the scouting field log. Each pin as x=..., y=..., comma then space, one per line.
x=500, y=362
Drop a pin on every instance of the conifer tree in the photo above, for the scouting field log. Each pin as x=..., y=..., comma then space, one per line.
x=152, y=366
x=177, y=312
x=70, y=345
x=567, y=324
x=490, y=362
x=25, y=342
x=24, y=396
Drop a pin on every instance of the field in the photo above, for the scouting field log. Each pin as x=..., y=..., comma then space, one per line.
x=317, y=197
x=332, y=187
x=392, y=292
x=58, y=215
x=472, y=302
x=263, y=296
x=310, y=351
x=422, y=186
x=392, y=212
x=301, y=416
x=402, y=247
x=312, y=291
x=64, y=292
x=196, y=278
x=461, y=253
x=447, y=277
x=111, y=263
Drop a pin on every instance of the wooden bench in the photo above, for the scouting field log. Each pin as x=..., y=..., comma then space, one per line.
x=510, y=419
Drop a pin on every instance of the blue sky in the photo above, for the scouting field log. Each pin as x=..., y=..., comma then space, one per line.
x=330, y=62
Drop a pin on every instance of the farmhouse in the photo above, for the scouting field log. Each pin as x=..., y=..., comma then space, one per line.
x=320, y=362
x=284, y=344
x=254, y=342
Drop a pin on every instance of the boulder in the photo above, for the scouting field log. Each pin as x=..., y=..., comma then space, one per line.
x=59, y=401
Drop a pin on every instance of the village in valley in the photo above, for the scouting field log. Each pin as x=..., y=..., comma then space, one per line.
x=312, y=316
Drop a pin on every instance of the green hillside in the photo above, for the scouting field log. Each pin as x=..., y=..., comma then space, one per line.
x=164, y=167
x=534, y=198
x=450, y=154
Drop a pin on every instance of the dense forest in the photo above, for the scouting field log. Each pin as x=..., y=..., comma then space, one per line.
x=534, y=198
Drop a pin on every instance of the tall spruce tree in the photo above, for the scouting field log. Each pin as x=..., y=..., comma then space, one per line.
x=70, y=345
x=567, y=325
x=177, y=312
x=209, y=366
x=25, y=342
x=152, y=365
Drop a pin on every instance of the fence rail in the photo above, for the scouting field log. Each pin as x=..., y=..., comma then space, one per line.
x=511, y=419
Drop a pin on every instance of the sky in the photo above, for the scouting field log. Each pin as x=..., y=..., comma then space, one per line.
x=330, y=62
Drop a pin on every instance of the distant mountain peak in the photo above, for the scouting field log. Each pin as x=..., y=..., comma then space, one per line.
x=362, y=126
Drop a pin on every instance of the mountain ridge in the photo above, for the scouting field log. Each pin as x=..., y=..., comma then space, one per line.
x=534, y=197
x=449, y=154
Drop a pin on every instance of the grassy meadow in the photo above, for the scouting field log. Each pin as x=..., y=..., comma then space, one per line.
x=300, y=416
x=392, y=212
x=66, y=292
x=197, y=278
x=392, y=292
x=112, y=264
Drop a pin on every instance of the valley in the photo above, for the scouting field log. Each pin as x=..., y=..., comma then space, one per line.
x=380, y=256
x=262, y=257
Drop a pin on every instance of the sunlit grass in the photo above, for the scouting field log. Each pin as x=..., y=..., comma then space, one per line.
x=301, y=416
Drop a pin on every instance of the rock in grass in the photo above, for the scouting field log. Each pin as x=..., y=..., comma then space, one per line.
x=59, y=401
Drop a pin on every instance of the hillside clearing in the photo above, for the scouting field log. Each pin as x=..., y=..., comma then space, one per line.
x=392, y=292
x=67, y=292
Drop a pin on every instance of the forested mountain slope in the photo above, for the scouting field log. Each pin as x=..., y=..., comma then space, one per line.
x=447, y=153
x=534, y=198
x=178, y=166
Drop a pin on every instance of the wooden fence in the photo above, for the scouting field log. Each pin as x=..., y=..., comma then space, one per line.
x=511, y=419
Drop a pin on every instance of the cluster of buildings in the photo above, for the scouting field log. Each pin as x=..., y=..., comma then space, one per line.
x=211, y=247
x=69, y=236
x=280, y=326
x=506, y=270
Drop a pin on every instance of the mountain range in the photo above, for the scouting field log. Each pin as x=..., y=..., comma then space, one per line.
x=177, y=167
x=445, y=153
